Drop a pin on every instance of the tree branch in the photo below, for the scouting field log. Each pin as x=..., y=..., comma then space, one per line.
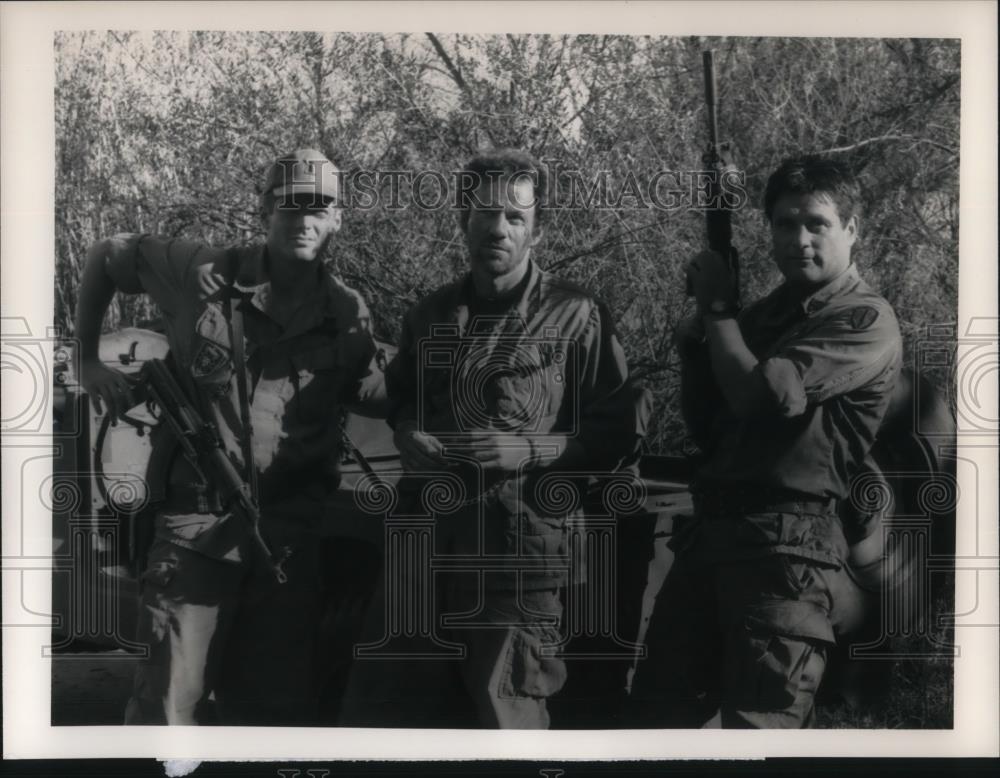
x=458, y=79
x=452, y=70
x=881, y=138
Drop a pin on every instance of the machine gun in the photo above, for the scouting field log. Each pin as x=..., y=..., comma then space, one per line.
x=718, y=216
x=202, y=447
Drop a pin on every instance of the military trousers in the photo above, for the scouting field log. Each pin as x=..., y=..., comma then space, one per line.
x=747, y=638
x=229, y=644
x=489, y=659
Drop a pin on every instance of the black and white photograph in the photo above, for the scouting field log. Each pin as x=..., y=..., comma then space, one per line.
x=617, y=385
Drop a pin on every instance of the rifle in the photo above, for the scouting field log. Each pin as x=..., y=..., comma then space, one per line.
x=200, y=443
x=718, y=218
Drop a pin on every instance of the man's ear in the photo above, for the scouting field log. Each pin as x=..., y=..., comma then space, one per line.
x=337, y=218
x=537, y=235
x=851, y=228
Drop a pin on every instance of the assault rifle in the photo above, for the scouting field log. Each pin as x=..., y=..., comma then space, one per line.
x=718, y=217
x=200, y=443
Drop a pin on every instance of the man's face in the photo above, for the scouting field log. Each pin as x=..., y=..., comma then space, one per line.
x=500, y=231
x=811, y=244
x=298, y=227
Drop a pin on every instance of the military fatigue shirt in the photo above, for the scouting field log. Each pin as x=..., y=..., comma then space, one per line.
x=299, y=376
x=549, y=363
x=828, y=364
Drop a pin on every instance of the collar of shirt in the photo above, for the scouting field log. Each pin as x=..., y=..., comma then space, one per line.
x=822, y=296
x=255, y=287
x=523, y=305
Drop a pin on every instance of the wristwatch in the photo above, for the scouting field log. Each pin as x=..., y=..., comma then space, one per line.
x=724, y=308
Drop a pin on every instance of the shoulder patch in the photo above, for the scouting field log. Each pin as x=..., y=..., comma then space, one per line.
x=863, y=317
x=209, y=358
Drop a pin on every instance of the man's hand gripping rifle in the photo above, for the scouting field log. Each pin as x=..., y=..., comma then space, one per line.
x=202, y=447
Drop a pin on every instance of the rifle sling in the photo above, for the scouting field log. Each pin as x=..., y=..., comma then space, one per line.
x=234, y=317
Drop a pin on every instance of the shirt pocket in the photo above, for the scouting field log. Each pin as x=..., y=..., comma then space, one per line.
x=316, y=384
x=528, y=388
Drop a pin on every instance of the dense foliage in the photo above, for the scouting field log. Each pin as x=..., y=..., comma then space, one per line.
x=168, y=133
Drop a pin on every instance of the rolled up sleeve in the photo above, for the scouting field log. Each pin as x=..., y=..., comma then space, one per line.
x=147, y=264
x=850, y=349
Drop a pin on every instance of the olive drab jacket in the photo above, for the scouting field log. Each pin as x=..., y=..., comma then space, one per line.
x=548, y=362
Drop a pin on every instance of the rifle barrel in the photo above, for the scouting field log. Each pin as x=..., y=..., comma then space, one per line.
x=708, y=61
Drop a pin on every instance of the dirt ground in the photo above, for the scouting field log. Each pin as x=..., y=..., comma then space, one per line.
x=91, y=689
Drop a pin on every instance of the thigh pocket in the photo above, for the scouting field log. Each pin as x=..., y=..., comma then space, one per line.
x=161, y=569
x=528, y=671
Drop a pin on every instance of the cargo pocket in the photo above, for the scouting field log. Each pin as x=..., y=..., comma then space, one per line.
x=766, y=673
x=796, y=574
x=529, y=673
x=161, y=569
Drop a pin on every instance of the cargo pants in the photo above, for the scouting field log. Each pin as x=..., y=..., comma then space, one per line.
x=748, y=638
x=504, y=668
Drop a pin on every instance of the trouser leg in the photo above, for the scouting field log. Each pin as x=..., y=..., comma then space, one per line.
x=511, y=667
x=187, y=605
x=772, y=681
x=777, y=615
x=677, y=684
x=352, y=570
x=406, y=676
x=270, y=670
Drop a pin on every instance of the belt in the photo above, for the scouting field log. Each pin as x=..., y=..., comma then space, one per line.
x=741, y=501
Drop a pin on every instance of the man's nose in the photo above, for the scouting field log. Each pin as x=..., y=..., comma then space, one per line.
x=303, y=218
x=497, y=225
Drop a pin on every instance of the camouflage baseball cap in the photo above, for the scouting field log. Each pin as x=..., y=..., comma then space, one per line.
x=305, y=171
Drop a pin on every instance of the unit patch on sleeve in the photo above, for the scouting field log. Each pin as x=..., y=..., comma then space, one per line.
x=863, y=317
x=209, y=358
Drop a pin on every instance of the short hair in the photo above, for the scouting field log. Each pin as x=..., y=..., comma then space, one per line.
x=814, y=174
x=498, y=163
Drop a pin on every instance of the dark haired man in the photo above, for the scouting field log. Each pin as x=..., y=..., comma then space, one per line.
x=502, y=377
x=784, y=399
x=216, y=621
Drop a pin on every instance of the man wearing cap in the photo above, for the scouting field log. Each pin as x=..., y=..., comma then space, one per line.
x=784, y=399
x=216, y=621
